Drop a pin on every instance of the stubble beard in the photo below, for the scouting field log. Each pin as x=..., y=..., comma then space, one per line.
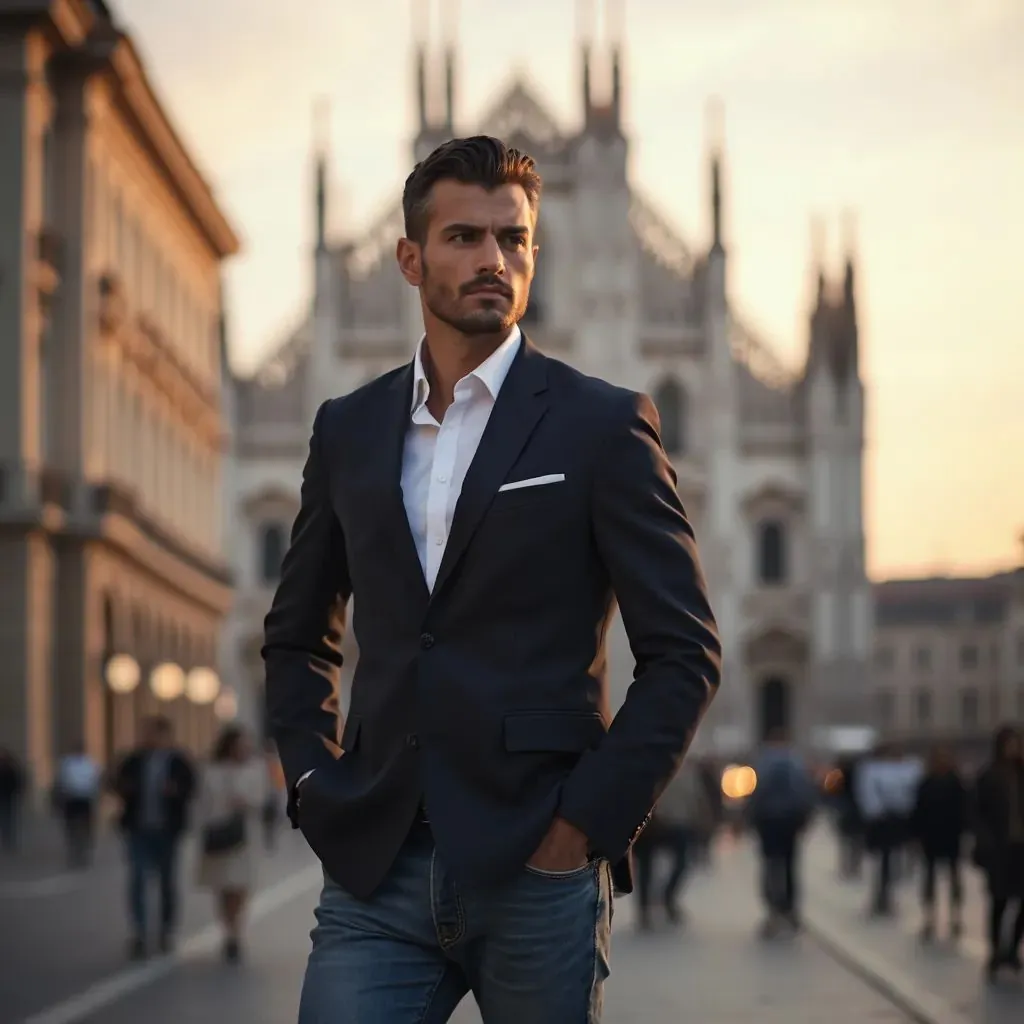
x=443, y=303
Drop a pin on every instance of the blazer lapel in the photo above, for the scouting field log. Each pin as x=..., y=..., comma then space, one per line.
x=520, y=406
x=392, y=508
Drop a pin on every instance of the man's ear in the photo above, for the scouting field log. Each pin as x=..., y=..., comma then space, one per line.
x=410, y=261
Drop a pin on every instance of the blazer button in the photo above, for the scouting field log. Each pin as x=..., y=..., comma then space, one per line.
x=412, y=741
x=427, y=641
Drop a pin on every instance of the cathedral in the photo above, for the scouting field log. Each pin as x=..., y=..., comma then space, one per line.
x=769, y=459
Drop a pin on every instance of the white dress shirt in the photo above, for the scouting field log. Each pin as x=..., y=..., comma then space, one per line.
x=437, y=456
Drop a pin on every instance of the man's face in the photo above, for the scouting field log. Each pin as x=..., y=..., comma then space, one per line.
x=476, y=263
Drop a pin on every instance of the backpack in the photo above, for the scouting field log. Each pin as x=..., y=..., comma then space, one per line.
x=783, y=794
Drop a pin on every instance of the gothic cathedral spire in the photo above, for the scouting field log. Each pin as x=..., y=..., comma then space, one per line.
x=321, y=145
x=715, y=118
x=432, y=79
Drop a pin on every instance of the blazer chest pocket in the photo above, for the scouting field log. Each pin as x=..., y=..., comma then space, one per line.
x=532, y=495
x=562, y=732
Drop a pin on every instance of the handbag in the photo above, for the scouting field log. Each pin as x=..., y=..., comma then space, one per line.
x=225, y=835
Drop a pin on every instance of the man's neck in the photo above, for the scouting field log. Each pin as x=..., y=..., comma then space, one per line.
x=448, y=355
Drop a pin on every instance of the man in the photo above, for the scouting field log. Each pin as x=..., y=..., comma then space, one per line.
x=77, y=792
x=485, y=506
x=779, y=809
x=683, y=813
x=886, y=789
x=155, y=784
x=12, y=786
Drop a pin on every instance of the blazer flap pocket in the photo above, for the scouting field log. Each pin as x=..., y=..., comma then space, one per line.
x=569, y=732
x=350, y=734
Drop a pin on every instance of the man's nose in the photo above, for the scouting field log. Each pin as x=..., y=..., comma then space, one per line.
x=490, y=258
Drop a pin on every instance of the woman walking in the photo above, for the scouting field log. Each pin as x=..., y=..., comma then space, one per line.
x=230, y=797
x=938, y=824
x=999, y=847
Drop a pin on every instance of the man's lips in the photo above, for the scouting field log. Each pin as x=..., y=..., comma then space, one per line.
x=488, y=290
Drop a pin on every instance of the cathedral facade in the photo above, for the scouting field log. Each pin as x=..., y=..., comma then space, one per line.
x=769, y=459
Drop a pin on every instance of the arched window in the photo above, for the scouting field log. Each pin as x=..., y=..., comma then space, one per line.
x=670, y=399
x=774, y=708
x=273, y=542
x=771, y=553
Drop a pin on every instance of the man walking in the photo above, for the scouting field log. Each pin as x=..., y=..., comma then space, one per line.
x=779, y=809
x=77, y=792
x=155, y=784
x=486, y=506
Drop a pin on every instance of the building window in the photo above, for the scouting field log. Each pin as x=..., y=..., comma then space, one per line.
x=969, y=707
x=1020, y=649
x=670, y=400
x=923, y=659
x=923, y=706
x=273, y=543
x=771, y=552
x=885, y=707
x=969, y=657
x=885, y=658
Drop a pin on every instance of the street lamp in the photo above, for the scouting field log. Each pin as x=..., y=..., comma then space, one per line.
x=202, y=685
x=167, y=681
x=225, y=707
x=122, y=673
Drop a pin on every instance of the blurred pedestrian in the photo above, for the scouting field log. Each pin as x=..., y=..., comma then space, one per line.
x=12, y=788
x=156, y=783
x=231, y=792
x=886, y=789
x=998, y=821
x=778, y=810
x=77, y=791
x=938, y=824
x=849, y=821
x=682, y=813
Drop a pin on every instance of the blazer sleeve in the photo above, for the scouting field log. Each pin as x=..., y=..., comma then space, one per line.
x=647, y=546
x=304, y=628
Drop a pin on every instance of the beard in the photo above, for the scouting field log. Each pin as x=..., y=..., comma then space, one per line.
x=489, y=316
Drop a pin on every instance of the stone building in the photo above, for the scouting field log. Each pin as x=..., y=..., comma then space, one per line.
x=111, y=246
x=949, y=659
x=769, y=458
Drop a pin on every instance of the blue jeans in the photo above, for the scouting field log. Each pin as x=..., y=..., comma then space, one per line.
x=533, y=951
x=152, y=853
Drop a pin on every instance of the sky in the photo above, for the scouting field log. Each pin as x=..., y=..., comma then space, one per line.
x=903, y=118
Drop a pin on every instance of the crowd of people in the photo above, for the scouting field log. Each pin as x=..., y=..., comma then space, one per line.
x=890, y=809
x=228, y=802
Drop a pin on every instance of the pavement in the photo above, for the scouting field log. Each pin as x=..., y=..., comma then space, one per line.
x=62, y=953
x=938, y=983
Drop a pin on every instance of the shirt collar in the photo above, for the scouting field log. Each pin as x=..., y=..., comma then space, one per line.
x=491, y=372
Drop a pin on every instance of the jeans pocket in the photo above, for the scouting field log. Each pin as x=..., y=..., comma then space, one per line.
x=561, y=875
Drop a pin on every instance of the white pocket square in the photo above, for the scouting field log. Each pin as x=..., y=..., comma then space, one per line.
x=534, y=481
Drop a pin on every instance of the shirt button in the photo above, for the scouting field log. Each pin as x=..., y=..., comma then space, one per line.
x=439, y=541
x=442, y=479
x=427, y=641
x=412, y=741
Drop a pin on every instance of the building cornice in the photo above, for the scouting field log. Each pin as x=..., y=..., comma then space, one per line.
x=76, y=31
x=137, y=94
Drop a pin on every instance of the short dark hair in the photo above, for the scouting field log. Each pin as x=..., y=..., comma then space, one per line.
x=479, y=160
x=159, y=724
x=228, y=740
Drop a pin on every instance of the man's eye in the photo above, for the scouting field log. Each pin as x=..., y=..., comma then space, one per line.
x=517, y=241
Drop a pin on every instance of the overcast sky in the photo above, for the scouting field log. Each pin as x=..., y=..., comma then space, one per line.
x=908, y=112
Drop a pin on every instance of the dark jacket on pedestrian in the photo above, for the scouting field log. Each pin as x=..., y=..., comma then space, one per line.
x=176, y=788
x=998, y=822
x=939, y=818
